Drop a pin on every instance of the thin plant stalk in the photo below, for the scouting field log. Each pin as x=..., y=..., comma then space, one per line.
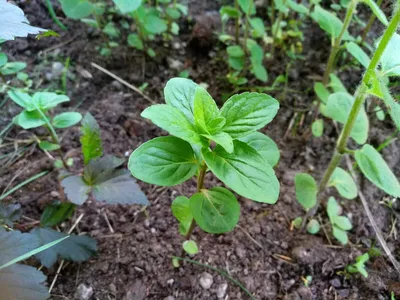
x=277, y=26
x=247, y=26
x=54, y=16
x=237, y=23
x=369, y=24
x=20, y=185
x=360, y=97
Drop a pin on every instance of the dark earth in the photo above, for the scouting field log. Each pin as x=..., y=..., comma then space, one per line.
x=135, y=251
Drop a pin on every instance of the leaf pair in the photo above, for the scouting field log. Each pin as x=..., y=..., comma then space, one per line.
x=340, y=224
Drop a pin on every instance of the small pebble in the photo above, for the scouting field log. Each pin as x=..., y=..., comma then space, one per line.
x=83, y=292
x=221, y=290
x=206, y=280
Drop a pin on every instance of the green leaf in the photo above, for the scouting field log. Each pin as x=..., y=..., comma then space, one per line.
x=321, y=91
x=164, y=161
x=29, y=119
x=22, y=99
x=332, y=209
x=317, y=128
x=190, y=247
x=340, y=235
x=135, y=41
x=264, y=145
x=343, y=223
x=300, y=8
x=75, y=248
x=223, y=139
x=313, y=226
x=377, y=11
x=344, y=183
x=181, y=211
x=127, y=6
x=47, y=146
x=23, y=283
x=9, y=213
x=174, y=121
x=338, y=108
x=55, y=214
x=179, y=93
x=377, y=171
x=216, y=210
x=248, y=112
x=236, y=63
x=306, y=190
x=336, y=84
x=155, y=24
x=390, y=60
x=257, y=54
x=3, y=59
x=14, y=244
x=358, y=53
x=297, y=222
x=247, y=6
x=230, y=11
x=77, y=9
x=47, y=100
x=329, y=22
x=111, y=30
x=244, y=171
x=281, y=6
x=235, y=51
x=66, y=119
x=205, y=111
x=76, y=189
x=90, y=138
x=260, y=72
x=258, y=27
x=12, y=68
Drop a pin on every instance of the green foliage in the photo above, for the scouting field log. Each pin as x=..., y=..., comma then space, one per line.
x=190, y=247
x=340, y=224
x=90, y=139
x=313, y=226
x=306, y=190
x=77, y=9
x=55, y=214
x=329, y=22
x=358, y=54
x=242, y=158
x=318, y=128
x=344, y=183
x=127, y=6
x=359, y=265
x=9, y=213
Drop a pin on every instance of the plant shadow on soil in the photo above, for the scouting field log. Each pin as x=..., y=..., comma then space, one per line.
x=134, y=262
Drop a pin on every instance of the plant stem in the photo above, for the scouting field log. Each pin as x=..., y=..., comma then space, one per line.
x=237, y=24
x=54, y=16
x=360, y=96
x=369, y=24
x=275, y=32
x=246, y=32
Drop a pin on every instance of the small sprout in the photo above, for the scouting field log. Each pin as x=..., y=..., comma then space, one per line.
x=190, y=247
x=175, y=262
x=307, y=280
x=296, y=223
x=359, y=265
x=313, y=226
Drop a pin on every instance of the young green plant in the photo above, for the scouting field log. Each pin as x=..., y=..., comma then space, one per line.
x=204, y=138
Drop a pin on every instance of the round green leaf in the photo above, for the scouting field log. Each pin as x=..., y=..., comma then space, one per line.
x=181, y=211
x=377, y=171
x=135, y=41
x=3, y=59
x=164, y=161
x=340, y=235
x=344, y=183
x=317, y=128
x=235, y=51
x=126, y=6
x=66, y=119
x=244, y=171
x=332, y=209
x=77, y=9
x=155, y=24
x=45, y=145
x=343, y=223
x=190, y=247
x=216, y=210
x=306, y=190
x=12, y=68
x=248, y=112
x=313, y=226
x=264, y=145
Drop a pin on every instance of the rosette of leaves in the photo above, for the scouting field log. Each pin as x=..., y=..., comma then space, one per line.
x=204, y=138
x=103, y=176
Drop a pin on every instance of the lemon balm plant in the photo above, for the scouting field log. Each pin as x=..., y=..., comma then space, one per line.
x=204, y=138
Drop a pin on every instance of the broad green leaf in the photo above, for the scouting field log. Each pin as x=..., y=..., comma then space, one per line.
x=127, y=6
x=343, y=223
x=9, y=213
x=244, y=171
x=66, y=119
x=12, y=68
x=340, y=235
x=336, y=84
x=235, y=51
x=14, y=244
x=216, y=125
x=135, y=41
x=47, y=100
x=281, y=6
x=216, y=210
x=55, y=214
x=390, y=60
x=164, y=161
x=317, y=128
x=22, y=282
x=205, y=110
x=338, y=108
x=332, y=209
x=377, y=171
x=236, y=63
x=329, y=22
x=75, y=248
x=248, y=112
x=257, y=54
x=377, y=11
x=29, y=119
x=344, y=183
x=264, y=145
x=174, y=121
x=258, y=27
x=223, y=139
x=102, y=169
x=229, y=11
x=190, y=247
x=3, y=59
x=179, y=93
x=247, y=6
x=155, y=24
x=321, y=91
x=112, y=31
x=47, y=146
x=260, y=72
x=22, y=99
x=358, y=53
x=306, y=190
x=76, y=189
x=300, y=8
x=77, y=9
x=90, y=139
x=297, y=222
x=173, y=13
x=392, y=104
x=181, y=211
x=313, y=226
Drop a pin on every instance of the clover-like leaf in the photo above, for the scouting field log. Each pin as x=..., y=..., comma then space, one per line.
x=244, y=171
x=344, y=183
x=248, y=112
x=216, y=210
x=164, y=161
x=306, y=190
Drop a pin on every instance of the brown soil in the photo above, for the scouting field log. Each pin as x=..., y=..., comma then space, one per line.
x=262, y=252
